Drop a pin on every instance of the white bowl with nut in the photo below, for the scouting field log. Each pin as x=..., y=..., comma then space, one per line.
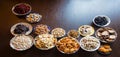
x=86, y=30
x=21, y=42
x=41, y=29
x=33, y=17
x=89, y=43
x=58, y=32
x=45, y=41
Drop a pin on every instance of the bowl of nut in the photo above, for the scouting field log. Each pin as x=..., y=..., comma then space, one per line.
x=89, y=43
x=106, y=34
x=86, y=30
x=21, y=42
x=73, y=33
x=58, y=32
x=41, y=29
x=45, y=41
x=33, y=17
x=68, y=45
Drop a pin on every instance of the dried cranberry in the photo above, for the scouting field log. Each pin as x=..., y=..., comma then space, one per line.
x=22, y=9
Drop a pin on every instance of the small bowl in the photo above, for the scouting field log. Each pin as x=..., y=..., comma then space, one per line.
x=108, y=19
x=13, y=47
x=83, y=32
x=33, y=17
x=56, y=35
x=19, y=13
x=46, y=29
x=23, y=23
x=74, y=31
x=90, y=37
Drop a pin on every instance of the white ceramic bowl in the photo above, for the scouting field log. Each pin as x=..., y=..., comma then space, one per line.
x=20, y=49
x=89, y=37
x=39, y=36
x=37, y=17
x=108, y=19
x=88, y=32
x=58, y=30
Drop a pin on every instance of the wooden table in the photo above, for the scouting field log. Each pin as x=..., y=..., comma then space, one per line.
x=68, y=14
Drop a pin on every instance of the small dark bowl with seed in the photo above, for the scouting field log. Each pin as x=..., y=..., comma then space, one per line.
x=101, y=20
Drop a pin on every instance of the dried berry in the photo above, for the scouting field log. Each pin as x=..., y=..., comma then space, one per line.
x=101, y=20
x=21, y=29
x=22, y=8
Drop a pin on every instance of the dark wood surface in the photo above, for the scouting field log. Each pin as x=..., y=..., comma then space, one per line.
x=68, y=14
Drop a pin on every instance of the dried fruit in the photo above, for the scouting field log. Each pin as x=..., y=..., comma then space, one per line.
x=68, y=45
x=101, y=20
x=21, y=29
x=21, y=8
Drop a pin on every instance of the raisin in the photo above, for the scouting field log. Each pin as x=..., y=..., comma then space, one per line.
x=21, y=29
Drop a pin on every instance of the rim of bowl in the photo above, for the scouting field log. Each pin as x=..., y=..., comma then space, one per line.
x=21, y=49
x=68, y=53
x=92, y=49
x=108, y=19
x=23, y=23
x=34, y=42
x=105, y=41
x=18, y=13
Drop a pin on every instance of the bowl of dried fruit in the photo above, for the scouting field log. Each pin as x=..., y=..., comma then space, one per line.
x=21, y=9
x=68, y=45
x=21, y=28
x=101, y=20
